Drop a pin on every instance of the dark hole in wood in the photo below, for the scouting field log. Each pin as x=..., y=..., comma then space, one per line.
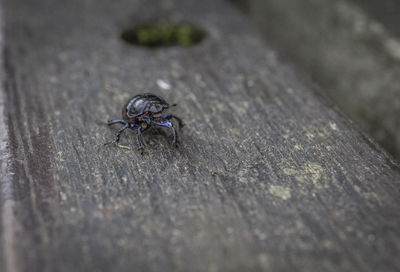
x=163, y=35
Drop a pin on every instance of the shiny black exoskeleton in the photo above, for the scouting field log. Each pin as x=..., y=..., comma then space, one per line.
x=141, y=112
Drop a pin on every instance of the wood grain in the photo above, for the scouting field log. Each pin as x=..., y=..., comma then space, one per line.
x=269, y=176
x=353, y=56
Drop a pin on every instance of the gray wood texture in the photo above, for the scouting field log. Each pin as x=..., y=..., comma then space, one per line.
x=351, y=55
x=269, y=176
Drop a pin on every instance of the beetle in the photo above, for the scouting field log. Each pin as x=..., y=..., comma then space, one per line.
x=143, y=111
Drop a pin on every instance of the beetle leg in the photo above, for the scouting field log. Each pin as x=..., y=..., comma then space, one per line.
x=118, y=135
x=174, y=136
x=140, y=140
x=112, y=122
x=169, y=125
x=180, y=121
x=148, y=120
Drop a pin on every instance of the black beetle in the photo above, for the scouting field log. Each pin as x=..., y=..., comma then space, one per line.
x=141, y=112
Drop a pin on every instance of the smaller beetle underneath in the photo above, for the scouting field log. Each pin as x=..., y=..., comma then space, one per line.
x=141, y=112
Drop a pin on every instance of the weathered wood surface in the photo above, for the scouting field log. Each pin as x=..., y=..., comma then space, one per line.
x=354, y=57
x=269, y=176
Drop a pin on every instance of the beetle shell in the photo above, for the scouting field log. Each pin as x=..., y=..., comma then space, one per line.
x=142, y=103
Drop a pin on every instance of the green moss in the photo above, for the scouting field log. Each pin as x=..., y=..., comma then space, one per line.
x=159, y=35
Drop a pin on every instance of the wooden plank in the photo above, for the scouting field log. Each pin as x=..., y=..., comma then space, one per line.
x=353, y=56
x=383, y=12
x=269, y=175
x=6, y=200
